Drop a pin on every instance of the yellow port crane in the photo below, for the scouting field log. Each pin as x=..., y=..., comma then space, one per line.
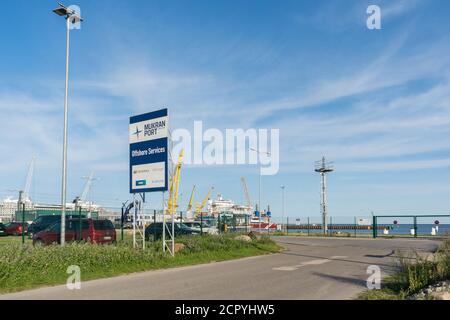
x=201, y=205
x=191, y=200
x=172, y=204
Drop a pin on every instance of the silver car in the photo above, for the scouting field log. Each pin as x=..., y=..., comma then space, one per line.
x=197, y=225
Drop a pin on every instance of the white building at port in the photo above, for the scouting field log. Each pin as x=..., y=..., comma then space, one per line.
x=9, y=206
x=222, y=205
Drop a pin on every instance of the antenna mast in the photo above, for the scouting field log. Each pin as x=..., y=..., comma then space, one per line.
x=323, y=167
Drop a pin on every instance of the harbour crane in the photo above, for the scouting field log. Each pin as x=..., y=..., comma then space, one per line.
x=191, y=200
x=87, y=186
x=26, y=190
x=174, y=185
x=24, y=194
x=201, y=205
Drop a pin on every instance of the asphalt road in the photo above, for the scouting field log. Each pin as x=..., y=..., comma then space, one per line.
x=309, y=268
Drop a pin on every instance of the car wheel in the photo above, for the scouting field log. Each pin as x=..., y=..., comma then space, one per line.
x=38, y=243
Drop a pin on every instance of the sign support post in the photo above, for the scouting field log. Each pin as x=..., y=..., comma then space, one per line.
x=148, y=137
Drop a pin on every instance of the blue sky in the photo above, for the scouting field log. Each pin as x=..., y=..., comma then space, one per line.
x=376, y=102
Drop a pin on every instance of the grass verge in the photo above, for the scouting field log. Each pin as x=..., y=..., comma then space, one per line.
x=415, y=273
x=27, y=267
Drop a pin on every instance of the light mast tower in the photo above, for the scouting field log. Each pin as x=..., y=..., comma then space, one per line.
x=323, y=167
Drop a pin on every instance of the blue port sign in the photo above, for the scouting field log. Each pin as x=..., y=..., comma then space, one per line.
x=148, y=137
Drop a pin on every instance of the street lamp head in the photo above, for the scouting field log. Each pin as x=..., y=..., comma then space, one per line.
x=64, y=11
x=60, y=11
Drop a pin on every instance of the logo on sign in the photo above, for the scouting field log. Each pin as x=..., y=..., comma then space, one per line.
x=141, y=183
x=137, y=132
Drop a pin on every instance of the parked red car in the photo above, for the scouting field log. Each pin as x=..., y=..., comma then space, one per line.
x=15, y=229
x=92, y=231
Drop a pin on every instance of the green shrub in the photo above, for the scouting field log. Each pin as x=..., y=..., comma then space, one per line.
x=415, y=273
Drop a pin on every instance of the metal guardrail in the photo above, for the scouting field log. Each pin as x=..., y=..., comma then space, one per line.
x=414, y=228
x=411, y=226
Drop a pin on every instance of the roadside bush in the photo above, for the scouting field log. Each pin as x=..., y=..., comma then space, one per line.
x=418, y=274
x=443, y=256
x=415, y=273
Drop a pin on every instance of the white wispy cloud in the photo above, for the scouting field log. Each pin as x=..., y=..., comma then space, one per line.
x=391, y=9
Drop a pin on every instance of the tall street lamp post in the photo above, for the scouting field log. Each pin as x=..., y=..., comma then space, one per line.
x=282, y=208
x=72, y=17
x=259, y=192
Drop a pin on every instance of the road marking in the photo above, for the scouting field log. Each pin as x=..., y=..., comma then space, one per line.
x=293, y=268
x=308, y=263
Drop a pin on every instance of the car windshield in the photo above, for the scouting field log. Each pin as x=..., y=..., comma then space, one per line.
x=190, y=224
x=103, y=225
x=75, y=225
x=199, y=224
x=38, y=220
x=46, y=219
x=54, y=227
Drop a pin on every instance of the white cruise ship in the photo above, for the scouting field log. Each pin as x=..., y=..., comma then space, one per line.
x=221, y=205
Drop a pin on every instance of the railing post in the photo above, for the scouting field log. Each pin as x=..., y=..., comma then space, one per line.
x=330, y=231
x=374, y=226
x=218, y=223
x=121, y=223
x=415, y=227
x=201, y=224
x=287, y=225
x=80, y=227
x=308, y=226
x=23, y=223
x=354, y=226
x=154, y=221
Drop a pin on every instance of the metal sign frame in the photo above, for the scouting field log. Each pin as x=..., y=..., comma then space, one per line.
x=149, y=151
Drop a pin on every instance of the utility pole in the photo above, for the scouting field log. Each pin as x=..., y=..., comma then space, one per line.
x=122, y=217
x=323, y=167
x=21, y=205
x=77, y=203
